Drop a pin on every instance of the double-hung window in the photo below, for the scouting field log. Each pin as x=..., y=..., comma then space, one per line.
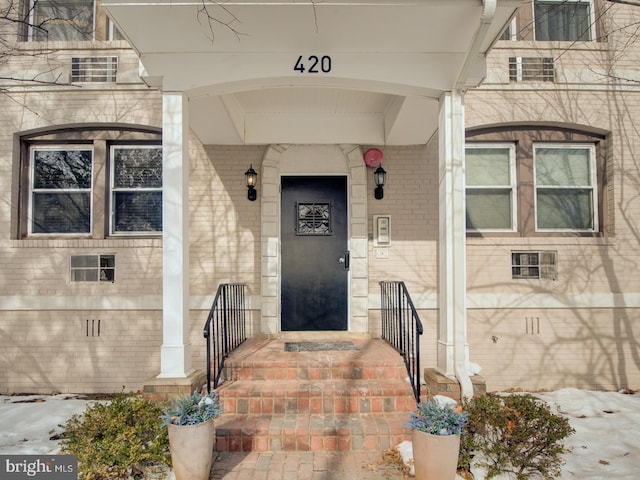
x=565, y=187
x=136, y=190
x=563, y=20
x=61, y=190
x=61, y=20
x=90, y=183
x=490, y=187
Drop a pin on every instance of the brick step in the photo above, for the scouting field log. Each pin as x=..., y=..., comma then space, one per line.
x=318, y=371
x=327, y=400
x=264, y=360
x=306, y=396
x=310, y=432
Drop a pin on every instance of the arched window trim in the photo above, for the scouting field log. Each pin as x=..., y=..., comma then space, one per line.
x=526, y=139
x=99, y=140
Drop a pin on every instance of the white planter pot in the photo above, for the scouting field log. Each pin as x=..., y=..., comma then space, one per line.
x=435, y=457
x=192, y=450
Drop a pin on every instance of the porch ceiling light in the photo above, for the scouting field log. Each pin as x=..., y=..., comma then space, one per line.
x=379, y=176
x=251, y=177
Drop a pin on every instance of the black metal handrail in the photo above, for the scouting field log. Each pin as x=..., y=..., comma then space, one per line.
x=401, y=328
x=225, y=328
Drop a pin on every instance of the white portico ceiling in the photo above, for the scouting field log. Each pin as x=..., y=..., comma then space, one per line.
x=381, y=65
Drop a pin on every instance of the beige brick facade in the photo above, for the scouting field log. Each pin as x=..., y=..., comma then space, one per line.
x=578, y=330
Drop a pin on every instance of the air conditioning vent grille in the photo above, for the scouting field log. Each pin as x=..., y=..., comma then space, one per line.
x=531, y=69
x=94, y=69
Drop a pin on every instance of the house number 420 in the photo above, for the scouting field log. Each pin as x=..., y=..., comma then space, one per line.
x=313, y=64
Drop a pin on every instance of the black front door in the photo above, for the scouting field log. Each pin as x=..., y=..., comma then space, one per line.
x=315, y=260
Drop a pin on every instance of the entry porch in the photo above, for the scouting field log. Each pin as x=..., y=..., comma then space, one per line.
x=387, y=74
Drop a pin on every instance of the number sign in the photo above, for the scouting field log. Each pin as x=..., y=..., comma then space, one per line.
x=313, y=64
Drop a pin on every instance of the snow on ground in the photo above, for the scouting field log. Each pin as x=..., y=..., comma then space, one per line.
x=606, y=444
x=28, y=422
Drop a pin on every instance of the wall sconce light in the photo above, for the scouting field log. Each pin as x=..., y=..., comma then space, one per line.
x=379, y=176
x=251, y=177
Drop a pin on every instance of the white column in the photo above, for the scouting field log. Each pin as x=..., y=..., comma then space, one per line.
x=452, y=303
x=175, y=354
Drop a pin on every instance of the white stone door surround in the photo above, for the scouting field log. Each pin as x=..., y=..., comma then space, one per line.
x=314, y=160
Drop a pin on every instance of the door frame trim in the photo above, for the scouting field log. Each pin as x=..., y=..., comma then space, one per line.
x=314, y=160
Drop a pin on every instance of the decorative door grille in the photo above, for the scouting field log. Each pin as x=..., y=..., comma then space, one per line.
x=313, y=219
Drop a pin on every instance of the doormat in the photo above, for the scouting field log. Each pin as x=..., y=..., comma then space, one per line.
x=318, y=346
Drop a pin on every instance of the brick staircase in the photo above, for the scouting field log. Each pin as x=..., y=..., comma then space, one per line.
x=330, y=400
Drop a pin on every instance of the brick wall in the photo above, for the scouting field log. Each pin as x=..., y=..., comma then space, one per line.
x=62, y=351
x=224, y=225
x=555, y=348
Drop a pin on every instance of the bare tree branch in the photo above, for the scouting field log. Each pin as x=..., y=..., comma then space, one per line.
x=227, y=19
x=206, y=15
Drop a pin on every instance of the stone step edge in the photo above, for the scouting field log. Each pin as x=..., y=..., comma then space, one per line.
x=318, y=405
x=315, y=388
x=313, y=372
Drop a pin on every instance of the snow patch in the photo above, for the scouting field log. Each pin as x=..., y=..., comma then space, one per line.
x=474, y=369
x=405, y=449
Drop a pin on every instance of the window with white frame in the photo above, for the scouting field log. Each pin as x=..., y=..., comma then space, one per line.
x=136, y=189
x=93, y=268
x=563, y=20
x=559, y=182
x=531, y=264
x=565, y=187
x=61, y=20
x=490, y=187
x=91, y=182
x=61, y=189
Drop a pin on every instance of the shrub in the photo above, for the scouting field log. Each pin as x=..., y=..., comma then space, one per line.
x=117, y=440
x=516, y=434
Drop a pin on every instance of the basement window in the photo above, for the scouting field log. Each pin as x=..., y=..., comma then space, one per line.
x=93, y=268
x=531, y=265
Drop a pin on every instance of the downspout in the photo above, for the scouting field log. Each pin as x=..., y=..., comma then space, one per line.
x=460, y=328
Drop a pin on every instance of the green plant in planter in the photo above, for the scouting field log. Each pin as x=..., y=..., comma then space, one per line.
x=436, y=439
x=193, y=409
x=514, y=434
x=192, y=435
x=438, y=419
